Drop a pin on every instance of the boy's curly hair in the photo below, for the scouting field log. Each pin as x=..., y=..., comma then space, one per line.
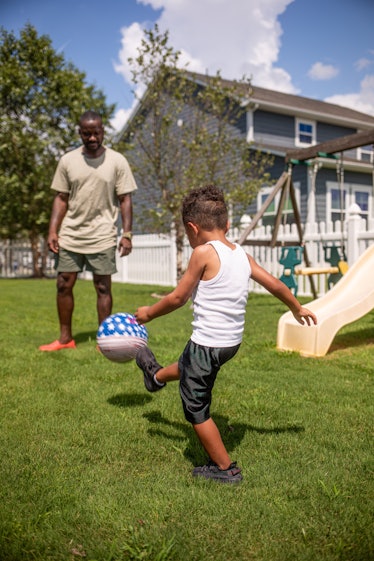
x=206, y=207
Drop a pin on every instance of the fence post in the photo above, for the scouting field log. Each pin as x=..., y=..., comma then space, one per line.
x=354, y=226
x=173, y=256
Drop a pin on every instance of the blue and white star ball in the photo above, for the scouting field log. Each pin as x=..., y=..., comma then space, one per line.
x=119, y=337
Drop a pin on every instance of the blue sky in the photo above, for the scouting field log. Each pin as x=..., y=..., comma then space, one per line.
x=322, y=49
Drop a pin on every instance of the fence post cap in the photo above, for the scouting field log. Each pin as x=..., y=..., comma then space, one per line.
x=354, y=209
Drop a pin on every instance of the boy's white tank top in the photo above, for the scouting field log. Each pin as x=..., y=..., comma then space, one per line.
x=219, y=303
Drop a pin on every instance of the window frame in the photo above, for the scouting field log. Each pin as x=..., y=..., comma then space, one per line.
x=366, y=151
x=298, y=122
x=350, y=198
x=263, y=194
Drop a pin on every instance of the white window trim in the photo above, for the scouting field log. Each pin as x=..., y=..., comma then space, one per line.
x=299, y=121
x=368, y=150
x=265, y=191
x=350, y=189
x=250, y=127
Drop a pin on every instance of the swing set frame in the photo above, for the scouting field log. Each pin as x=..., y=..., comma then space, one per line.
x=285, y=185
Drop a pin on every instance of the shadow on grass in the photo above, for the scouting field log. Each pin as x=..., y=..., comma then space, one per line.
x=354, y=338
x=129, y=400
x=85, y=336
x=232, y=434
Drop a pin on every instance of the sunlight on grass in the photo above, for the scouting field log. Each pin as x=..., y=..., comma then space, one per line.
x=95, y=467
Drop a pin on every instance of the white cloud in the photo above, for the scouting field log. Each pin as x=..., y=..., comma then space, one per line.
x=362, y=63
x=131, y=39
x=120, y=118
x=238, y=38
x=321, y=71
x=361, y=101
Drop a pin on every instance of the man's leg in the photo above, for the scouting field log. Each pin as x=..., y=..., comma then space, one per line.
x=103, y=287
x=65, y=304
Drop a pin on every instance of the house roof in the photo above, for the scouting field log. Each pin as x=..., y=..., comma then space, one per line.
x=288, y=104
x=305, y=107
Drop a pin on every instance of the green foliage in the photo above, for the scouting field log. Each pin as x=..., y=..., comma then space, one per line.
x=94, y=467
x=186, y=134
x=41, y=99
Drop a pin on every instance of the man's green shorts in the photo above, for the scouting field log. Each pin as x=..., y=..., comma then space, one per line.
x=103, y=263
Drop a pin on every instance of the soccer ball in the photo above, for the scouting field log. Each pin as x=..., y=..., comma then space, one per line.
x=120, y=337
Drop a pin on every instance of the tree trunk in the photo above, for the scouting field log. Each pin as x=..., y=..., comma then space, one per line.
x=37, y=271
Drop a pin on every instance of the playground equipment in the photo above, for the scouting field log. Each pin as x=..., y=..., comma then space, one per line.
x=348, y=300
x=285, y=186
x=335, y=255
x=291, y=256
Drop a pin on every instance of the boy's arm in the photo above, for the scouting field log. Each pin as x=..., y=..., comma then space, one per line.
x=282, y=292
x=179, y=296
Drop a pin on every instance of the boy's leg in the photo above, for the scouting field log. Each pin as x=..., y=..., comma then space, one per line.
x=220, y=467
x=168, y=373
x=199, y=366
x=212, y=443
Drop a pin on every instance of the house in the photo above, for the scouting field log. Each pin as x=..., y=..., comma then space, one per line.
x=325, y=185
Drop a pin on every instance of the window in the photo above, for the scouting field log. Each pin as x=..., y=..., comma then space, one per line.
x=339, y=201
x=338, y=204
x=365, y=153
x=362, y=200
x=268, y=218
x=305, y=133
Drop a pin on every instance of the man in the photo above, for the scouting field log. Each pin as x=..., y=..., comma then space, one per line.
x=91, y=182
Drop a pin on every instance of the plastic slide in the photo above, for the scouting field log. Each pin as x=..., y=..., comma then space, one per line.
x=348, y=300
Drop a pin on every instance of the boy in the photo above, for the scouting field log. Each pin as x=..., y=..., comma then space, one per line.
x=217, y=280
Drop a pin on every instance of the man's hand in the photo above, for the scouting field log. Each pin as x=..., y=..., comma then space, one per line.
x=124, y=247
x=53, y=242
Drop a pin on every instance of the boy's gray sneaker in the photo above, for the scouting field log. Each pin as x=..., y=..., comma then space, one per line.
x=211, y=471
x=147, y=362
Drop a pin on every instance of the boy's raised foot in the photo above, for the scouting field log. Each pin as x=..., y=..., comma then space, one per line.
x=147, y=362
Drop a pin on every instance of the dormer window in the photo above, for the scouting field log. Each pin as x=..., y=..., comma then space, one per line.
x=365, y=153
x=305, y=133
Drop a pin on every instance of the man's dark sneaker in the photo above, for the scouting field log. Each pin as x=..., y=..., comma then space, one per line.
x=211, y=471
x=147, y=362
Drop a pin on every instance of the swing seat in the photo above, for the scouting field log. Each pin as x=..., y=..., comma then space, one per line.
x=290, y=257
x=335, y=255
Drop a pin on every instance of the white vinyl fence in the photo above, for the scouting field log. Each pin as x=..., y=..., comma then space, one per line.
x=153, y=259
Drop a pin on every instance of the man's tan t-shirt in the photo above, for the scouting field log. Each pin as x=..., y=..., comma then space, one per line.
x=93, y=184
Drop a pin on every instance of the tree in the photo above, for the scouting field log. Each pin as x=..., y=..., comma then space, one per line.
x=41, y=99
x=188, y=130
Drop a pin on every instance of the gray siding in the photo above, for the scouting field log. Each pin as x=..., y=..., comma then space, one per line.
x=326, y=132
x=323, y=176
x=300, y=176
x=274, y=129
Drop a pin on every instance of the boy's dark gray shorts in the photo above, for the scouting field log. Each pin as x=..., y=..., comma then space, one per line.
x=103, y=263
x=198, y=367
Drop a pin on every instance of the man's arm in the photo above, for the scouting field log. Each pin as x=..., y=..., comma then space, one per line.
x=59, y=208
x=125, y=205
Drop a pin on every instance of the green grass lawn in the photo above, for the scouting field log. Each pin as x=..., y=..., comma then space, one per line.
x=94, y=467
